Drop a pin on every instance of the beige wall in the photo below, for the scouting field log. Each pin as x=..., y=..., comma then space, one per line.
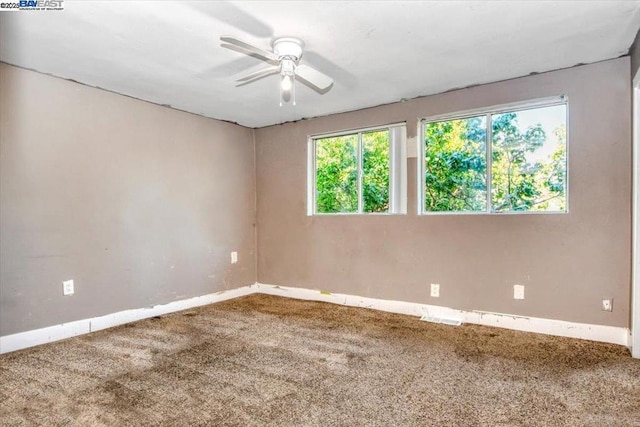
x=568, y=262
x=138, y=203
x=141, y=205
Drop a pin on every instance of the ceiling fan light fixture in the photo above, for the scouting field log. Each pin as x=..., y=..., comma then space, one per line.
x=286, y=83
x=287, y=80
x=287, y=88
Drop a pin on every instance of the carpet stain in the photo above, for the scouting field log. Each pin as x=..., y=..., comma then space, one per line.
x=264, y=360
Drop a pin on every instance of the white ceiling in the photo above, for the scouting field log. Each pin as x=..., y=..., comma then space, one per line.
x=377, y=52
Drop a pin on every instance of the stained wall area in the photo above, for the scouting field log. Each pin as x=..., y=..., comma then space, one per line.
x=634, y=52
x=139, y=204
x=567, y=262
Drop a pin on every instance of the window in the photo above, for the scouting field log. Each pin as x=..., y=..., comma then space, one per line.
x=358, y=172
x=512, y=159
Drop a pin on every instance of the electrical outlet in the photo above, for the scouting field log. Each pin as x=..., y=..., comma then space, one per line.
x=435, y=290
x=607, y=304
x=518, y=291
x=234, y=257
x=67, y=287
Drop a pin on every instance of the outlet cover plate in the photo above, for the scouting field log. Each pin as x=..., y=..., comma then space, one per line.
x=435, y=290
x=607, y=304
x=67, y=287
x=234, y=257
x=518, y=291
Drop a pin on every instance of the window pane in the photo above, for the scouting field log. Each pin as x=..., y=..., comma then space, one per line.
x=455, y=165
x=375, y=171
x=337, y=174
x=529, y=164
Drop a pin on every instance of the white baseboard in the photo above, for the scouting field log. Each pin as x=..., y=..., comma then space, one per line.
x=49, y=334
x=608, y=334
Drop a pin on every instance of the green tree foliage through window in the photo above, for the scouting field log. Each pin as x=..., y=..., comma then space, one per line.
x=528, y=162
x=455, y=165
x=337, y=174
x=337, y=180
x=375, y=171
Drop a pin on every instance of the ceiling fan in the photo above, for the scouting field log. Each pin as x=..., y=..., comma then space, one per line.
x=284, y=59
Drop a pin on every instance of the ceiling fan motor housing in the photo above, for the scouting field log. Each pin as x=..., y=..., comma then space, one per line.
x=288, y=47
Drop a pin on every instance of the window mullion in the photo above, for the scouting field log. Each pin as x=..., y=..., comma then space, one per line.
x=312, y=187
x=489, y=159
x=422, y=167
x=360, y=173
x=393, y=173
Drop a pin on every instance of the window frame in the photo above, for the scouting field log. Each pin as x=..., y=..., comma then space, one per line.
x=397, y=169
x=488, y=112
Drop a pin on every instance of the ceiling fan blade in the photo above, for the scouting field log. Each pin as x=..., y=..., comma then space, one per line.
x=231, y=68
x=268, y=56
x=314, y=77
x=259, y=74
x=339, y=73
x=249, y=54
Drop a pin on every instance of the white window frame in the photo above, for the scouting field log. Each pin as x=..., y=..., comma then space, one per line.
x=488, y=112
x=634, y=338
x=397, y=170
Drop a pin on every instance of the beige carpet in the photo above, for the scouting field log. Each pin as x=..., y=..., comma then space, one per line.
x=262, y=360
